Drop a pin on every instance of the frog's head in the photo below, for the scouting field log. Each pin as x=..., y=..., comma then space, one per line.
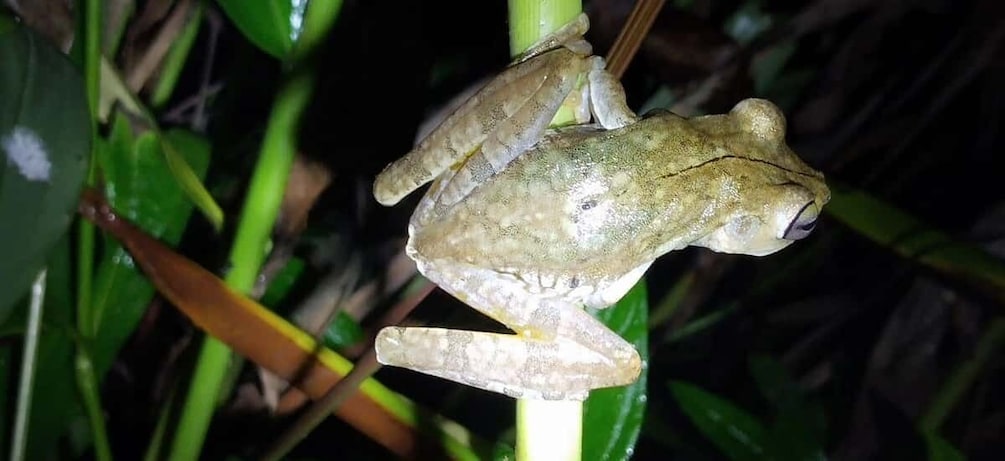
x=791, y=216
x=773, y=198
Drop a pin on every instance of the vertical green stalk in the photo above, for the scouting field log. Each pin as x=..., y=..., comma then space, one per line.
x=546, y=430
x=549, y=430
x=85, y=242
x=261, y=207
x=87, y=384
x=254, y=229
x=530, y=20
x=29, y=355
x=87, y=318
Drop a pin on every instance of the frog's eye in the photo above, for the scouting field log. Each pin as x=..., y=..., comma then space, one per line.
x=804, y=223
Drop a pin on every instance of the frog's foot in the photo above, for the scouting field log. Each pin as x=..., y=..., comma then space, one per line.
x=515, y=365
x=569, y=35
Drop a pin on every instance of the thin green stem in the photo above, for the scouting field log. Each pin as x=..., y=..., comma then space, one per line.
x=201, y=400
x=268, y=182
x=963, y=377
x=29, y=357
x=261, y=207
x=87, y=384
x=157, y=440
x=546, y=430
x=88, y=319
x=254, y=229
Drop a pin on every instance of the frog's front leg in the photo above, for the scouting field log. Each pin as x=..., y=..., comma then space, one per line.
x=559, y=351
x=607, y=97
x=500, y=120
x=523, y=126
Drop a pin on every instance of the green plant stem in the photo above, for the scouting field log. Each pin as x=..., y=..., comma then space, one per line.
x=157, y=439
x=546, y=430
x=532, y=19
x=261, y=207
x=87, y=384
x=29, y=356
x=88, y=320
x=549, y=430
x=253, y=231
x=963, y=377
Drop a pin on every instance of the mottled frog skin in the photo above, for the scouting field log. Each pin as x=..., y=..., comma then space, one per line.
x=528, y=225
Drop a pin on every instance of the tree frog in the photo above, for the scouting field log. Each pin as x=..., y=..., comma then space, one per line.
x=528, y=224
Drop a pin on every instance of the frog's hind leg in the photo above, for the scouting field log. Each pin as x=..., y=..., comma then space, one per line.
x=535, y=364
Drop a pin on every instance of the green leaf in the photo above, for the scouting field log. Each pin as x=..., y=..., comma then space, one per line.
x=939, y=449
x=45, y=138
x=271, y=25
x=139, y=185
x=798, y=429
x=914, y=240
x=613, y=417
x=343, y=331
x=283, y=282
x=735, y=432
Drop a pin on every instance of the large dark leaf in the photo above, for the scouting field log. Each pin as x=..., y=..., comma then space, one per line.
x=45, y=137
x=613, y=417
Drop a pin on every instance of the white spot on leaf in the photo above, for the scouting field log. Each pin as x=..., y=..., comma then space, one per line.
x=26, y=151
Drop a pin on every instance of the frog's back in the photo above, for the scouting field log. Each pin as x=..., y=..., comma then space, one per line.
x=585, y=202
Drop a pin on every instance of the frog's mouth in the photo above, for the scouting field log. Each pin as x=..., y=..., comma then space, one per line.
x=752, y=235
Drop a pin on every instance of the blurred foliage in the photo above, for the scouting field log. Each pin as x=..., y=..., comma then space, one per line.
x=871, y=339
x=44, y=137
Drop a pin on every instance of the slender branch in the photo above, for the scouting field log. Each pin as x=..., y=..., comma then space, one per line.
x=28, y=361
x=632, y=33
